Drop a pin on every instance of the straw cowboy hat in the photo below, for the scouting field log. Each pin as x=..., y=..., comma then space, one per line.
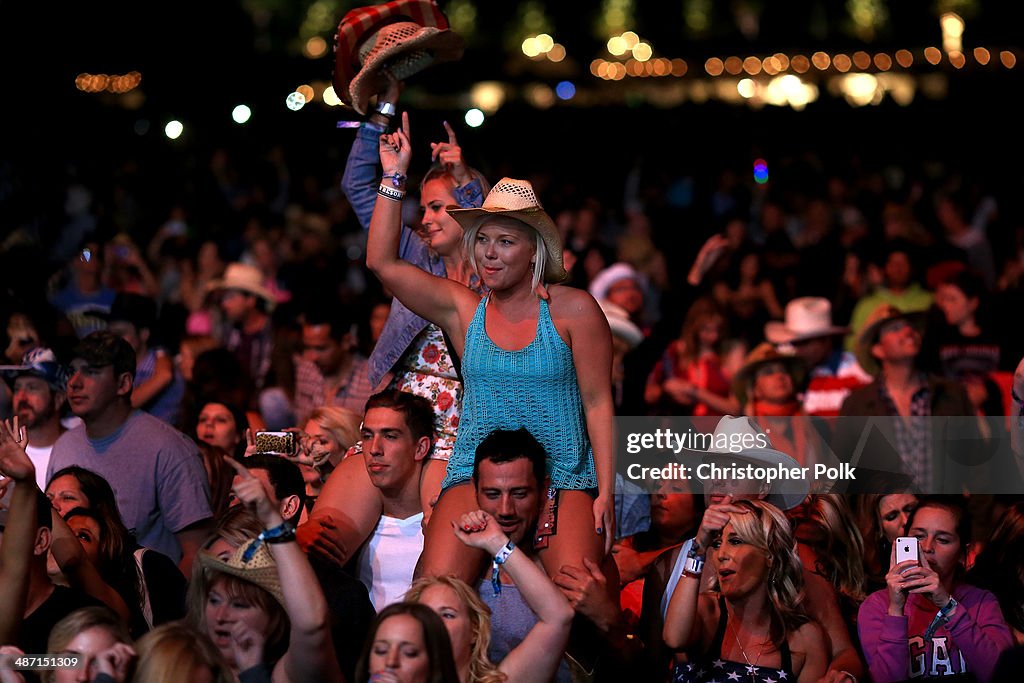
x=516, y=199
x=243, y=277
x=784, y=493
x=868, y=336
x=762, y=354
x=622, y=326
x=807, y=317
x=258, y=569
x=400, y=38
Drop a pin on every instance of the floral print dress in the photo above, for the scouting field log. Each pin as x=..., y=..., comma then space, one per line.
x=427, y=370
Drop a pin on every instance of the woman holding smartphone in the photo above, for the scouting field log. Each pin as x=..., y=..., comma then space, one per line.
x=928, y=622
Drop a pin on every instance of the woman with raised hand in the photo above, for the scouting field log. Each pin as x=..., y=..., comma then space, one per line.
x=752, y=624
x=533, y=356
x=412, y=354
x=263, y=608
x=468, y=619
x=928, y=622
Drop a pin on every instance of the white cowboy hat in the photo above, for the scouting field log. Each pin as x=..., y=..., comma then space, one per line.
x=807, y=317
x=244, y=277
x=604, y=280
x=401, y=37
x=516, y=199
x=784, y=493
x=622, y=326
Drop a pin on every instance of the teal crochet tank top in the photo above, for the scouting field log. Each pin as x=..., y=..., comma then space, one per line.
x=534, y=387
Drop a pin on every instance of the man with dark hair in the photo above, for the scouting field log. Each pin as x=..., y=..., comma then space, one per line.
x=330, y=372
x=156, y=471
x=158, y=387
x=899, y=288
x=282, y=481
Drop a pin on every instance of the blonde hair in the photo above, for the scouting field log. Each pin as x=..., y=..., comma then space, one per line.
x=767, y=529
x=174, y=652
x=343, y=425
x=540, y=249
x=481, y=669
x=65, y=630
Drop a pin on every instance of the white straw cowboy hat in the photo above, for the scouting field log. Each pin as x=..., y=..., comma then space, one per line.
x=784, y=493
x=516, y=199
x=604, y=280
x=251, y=562
x=400, y=38
x=243, y=277
x=807, y=317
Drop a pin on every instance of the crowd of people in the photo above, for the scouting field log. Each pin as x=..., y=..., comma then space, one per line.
x=369, y=433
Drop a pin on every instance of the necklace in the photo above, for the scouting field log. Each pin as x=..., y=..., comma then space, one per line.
x=751, y=666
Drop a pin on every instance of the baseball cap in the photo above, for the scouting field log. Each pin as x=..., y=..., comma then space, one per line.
x=39, y=362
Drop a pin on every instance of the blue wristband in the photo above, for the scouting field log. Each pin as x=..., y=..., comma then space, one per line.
x=499, y=560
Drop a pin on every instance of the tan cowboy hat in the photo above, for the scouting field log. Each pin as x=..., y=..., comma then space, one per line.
x=807, y=317
x=784, y=493
x=868, y=336
x=763, y=354
x=244, y=277
x=400, y=38
x=259, y=569
x=516, y=199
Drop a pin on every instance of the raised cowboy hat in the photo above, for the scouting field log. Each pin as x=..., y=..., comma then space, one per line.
x=868, y=337
x=807, y=317
x=762, y=354
x=243, y=277
x=784, y=493
x=259, y=569
x=516, y=199
x=402, y=38
x=622, y=326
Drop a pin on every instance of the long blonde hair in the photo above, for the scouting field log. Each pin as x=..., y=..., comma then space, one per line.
x=481, y=669
x=767, y=529
x=837, y=543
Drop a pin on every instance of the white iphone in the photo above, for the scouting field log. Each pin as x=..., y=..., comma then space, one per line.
x=906, y=549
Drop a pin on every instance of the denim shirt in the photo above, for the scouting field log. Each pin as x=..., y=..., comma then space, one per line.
x=359, y=183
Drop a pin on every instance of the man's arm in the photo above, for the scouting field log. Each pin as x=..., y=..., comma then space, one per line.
x=191, y=540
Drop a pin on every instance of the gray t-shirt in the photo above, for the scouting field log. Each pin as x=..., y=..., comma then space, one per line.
x=156, y=472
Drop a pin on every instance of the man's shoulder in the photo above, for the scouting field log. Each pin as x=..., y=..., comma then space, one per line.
x=160, y=435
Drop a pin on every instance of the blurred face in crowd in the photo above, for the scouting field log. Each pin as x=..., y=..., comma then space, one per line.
x=399, y=649
x=509, y=492
x=224, y=611
x=898, y=341
x=715, y=490
x=897, y=270
x=710, y=331
x=957, y=308
x=321, y=349
x=65, y=493
x=236, y=304
x=941, y=546
x=322, y=441
x=87, y=645
x=217, y=427
x=440, y=230
x=127, y=331
x=23, y=335
x=672, y=507
x=390, y=451
x=893, y=512
x=628, y=294
x=814, y=351
x=34, y=402
x=742, y=568
x=772, y=383
x=455, y=615
x=93, y=389
x=378, y=316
